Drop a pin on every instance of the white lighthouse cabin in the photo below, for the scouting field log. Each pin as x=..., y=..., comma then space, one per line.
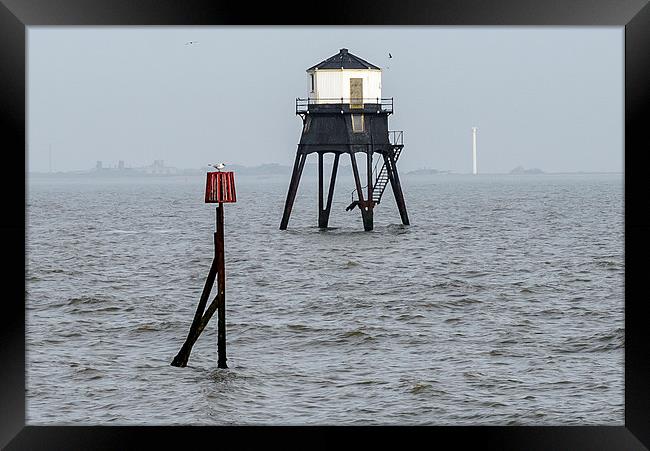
x=344, y=78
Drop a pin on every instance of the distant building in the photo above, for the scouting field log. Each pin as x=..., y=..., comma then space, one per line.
x=158, y=167
x=99, y=166
x=120, y=165
x=522, y=170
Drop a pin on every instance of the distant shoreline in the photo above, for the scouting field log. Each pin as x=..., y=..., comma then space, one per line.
x=287, y=173
x=516, y=175
x=129, y=174
x=275, y=169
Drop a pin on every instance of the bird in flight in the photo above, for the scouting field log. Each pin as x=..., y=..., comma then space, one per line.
x=191, y=42
x=218, y=166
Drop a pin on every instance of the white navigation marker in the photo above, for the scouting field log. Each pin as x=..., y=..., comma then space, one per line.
x=474, y=171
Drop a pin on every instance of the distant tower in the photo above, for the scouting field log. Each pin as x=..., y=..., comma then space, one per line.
x=474, y=171
x=345, y=114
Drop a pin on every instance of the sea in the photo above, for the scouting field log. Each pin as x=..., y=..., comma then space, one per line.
x=502, y=303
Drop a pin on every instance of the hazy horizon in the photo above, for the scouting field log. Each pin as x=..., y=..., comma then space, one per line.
x=288, y=167
x=542, y=97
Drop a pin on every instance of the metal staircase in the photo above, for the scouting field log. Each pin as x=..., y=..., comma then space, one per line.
x=381, y=182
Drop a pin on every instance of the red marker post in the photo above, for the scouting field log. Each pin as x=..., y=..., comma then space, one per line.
x=219, y=189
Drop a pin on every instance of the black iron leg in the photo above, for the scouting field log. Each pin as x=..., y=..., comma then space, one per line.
x=324, y=213
x=366, y=214
x=293, y=188
x=397, y=188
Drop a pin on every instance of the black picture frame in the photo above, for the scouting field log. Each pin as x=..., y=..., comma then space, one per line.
x=16, y=15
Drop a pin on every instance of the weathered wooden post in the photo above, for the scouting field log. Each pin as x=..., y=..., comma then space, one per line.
x=221, y=293
x=220, y=189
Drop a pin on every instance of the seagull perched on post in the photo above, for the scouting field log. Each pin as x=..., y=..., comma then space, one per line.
x=218, y=166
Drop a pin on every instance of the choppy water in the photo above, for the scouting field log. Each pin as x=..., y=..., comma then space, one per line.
x=502, y=303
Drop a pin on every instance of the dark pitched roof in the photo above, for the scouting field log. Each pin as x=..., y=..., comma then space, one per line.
x=345, y=60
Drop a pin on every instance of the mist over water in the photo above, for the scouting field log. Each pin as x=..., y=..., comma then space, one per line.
x=501, y=304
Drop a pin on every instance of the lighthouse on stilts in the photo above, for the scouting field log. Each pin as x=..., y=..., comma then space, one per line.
x=345, y=114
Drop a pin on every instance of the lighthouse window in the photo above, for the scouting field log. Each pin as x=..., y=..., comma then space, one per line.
x=311, y=76
x=357, y=122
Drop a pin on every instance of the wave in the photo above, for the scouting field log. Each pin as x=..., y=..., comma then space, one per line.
x=599, y=342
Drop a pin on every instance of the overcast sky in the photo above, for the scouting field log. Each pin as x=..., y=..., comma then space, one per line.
x=544, y=97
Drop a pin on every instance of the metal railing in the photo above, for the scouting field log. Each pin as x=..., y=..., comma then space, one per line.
x=384, y=105
x=396, y=137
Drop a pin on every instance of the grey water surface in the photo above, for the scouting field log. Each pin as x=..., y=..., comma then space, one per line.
x=501, y=304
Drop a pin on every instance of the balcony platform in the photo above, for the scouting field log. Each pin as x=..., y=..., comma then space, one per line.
x=343, y=105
